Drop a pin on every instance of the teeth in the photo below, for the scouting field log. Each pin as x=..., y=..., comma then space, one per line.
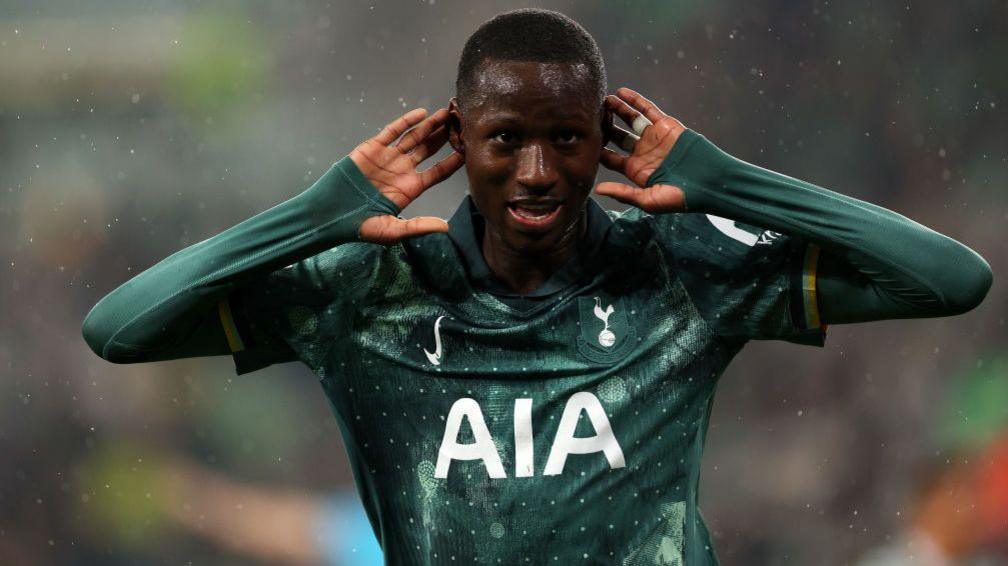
x=526, y=214
x=534, y=212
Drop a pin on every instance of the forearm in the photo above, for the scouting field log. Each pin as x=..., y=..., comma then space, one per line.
x=868, y=251
x=168, y=310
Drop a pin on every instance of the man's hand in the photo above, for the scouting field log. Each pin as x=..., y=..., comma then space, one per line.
x=392, y=168
x=647, y=150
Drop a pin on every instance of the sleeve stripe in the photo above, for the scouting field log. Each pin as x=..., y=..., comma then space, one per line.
x=230, y=330
x=810, y=301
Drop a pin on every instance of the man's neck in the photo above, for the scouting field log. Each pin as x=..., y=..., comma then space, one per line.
x=522, y=272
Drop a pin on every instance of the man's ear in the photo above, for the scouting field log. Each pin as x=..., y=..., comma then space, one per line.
x=454, y=125
x=607, y=125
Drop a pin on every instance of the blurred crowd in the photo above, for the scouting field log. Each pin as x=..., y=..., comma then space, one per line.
x=130, y=130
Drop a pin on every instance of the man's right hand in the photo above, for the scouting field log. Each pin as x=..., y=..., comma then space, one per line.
x=392, y=168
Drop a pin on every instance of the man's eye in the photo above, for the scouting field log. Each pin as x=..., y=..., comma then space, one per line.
x=567, y=137
x=504, y=137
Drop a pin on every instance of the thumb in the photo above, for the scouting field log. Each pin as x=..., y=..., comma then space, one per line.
x=388, y=229
x=619, y=191
x=654, y=199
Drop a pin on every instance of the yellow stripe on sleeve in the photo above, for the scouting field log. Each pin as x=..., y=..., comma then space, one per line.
x=811, y=301
x=230, y=330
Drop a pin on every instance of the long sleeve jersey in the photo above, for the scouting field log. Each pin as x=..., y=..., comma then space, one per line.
x=567, y=431
x=875, y=264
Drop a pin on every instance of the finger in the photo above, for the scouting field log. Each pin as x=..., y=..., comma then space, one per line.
x=622, y=138
x=430, y=146
x=626, y=113
x=441, y=170
x=397, y=127
x=641, y=104
x=629, y=142
x=387, y=229
x=612, y=160
x=640, y=123
x=418, y=134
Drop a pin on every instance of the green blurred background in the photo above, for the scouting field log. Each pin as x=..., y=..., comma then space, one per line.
x=129, y=130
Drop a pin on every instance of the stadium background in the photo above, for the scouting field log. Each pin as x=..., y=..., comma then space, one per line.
x=129, y=130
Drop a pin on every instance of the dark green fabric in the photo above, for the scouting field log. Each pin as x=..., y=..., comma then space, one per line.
x=744, y=290
x=878, y=265
x=361, y=317
x=157, y=314
x=644, y=320
x=465, y=228
x=655, y=381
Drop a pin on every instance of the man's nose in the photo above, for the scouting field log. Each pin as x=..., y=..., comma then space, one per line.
x=534, y=169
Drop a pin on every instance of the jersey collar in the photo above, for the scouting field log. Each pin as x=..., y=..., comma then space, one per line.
x=467, y=221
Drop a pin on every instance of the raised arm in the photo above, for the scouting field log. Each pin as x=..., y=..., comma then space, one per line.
x=171, y=310
x=874, y=264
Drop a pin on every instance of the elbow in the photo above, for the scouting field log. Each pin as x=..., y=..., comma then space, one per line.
x=94, y=337
x=98, y=332
x=971, y=286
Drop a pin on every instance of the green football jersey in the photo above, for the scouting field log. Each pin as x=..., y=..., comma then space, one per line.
x=566, y=425
x=566, y=428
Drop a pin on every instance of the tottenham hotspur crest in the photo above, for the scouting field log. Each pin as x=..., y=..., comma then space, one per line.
x=606, y=338
x=606, y=334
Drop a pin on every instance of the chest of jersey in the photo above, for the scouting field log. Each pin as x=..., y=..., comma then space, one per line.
x=611, y=361
x=471, y=418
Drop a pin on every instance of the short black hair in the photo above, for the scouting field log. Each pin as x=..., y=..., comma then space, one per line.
x=530, y=34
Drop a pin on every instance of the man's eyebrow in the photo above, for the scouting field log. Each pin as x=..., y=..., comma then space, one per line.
x=501, y=116
x=554, y=116
x=569, y=115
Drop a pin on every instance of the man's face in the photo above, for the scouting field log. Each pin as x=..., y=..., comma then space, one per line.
x=531, y=134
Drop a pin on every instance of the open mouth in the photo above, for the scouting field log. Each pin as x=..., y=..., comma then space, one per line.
x=534, y=214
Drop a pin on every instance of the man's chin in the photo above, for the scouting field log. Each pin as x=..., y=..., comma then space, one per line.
x=534, y=244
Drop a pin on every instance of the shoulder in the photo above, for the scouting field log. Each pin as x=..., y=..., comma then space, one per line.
x=692, y=236
x=630, y=215
x=632, y=226
x=352, y=258
x=704, y=248
x=349, y=270
x=432, y=264
x=629, y=251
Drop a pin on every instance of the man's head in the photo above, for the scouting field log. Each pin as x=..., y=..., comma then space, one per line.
x=528, y=118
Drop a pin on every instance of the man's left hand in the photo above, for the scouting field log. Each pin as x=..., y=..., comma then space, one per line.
x=655, y=134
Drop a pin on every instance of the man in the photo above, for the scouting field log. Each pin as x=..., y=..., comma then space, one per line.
x=531, y=381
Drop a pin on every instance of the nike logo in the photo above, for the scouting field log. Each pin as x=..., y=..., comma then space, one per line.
x=435, y=356
x=728, y=228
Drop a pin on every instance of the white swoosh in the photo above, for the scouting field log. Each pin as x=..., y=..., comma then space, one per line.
x=728, y=228
x=435, y=357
